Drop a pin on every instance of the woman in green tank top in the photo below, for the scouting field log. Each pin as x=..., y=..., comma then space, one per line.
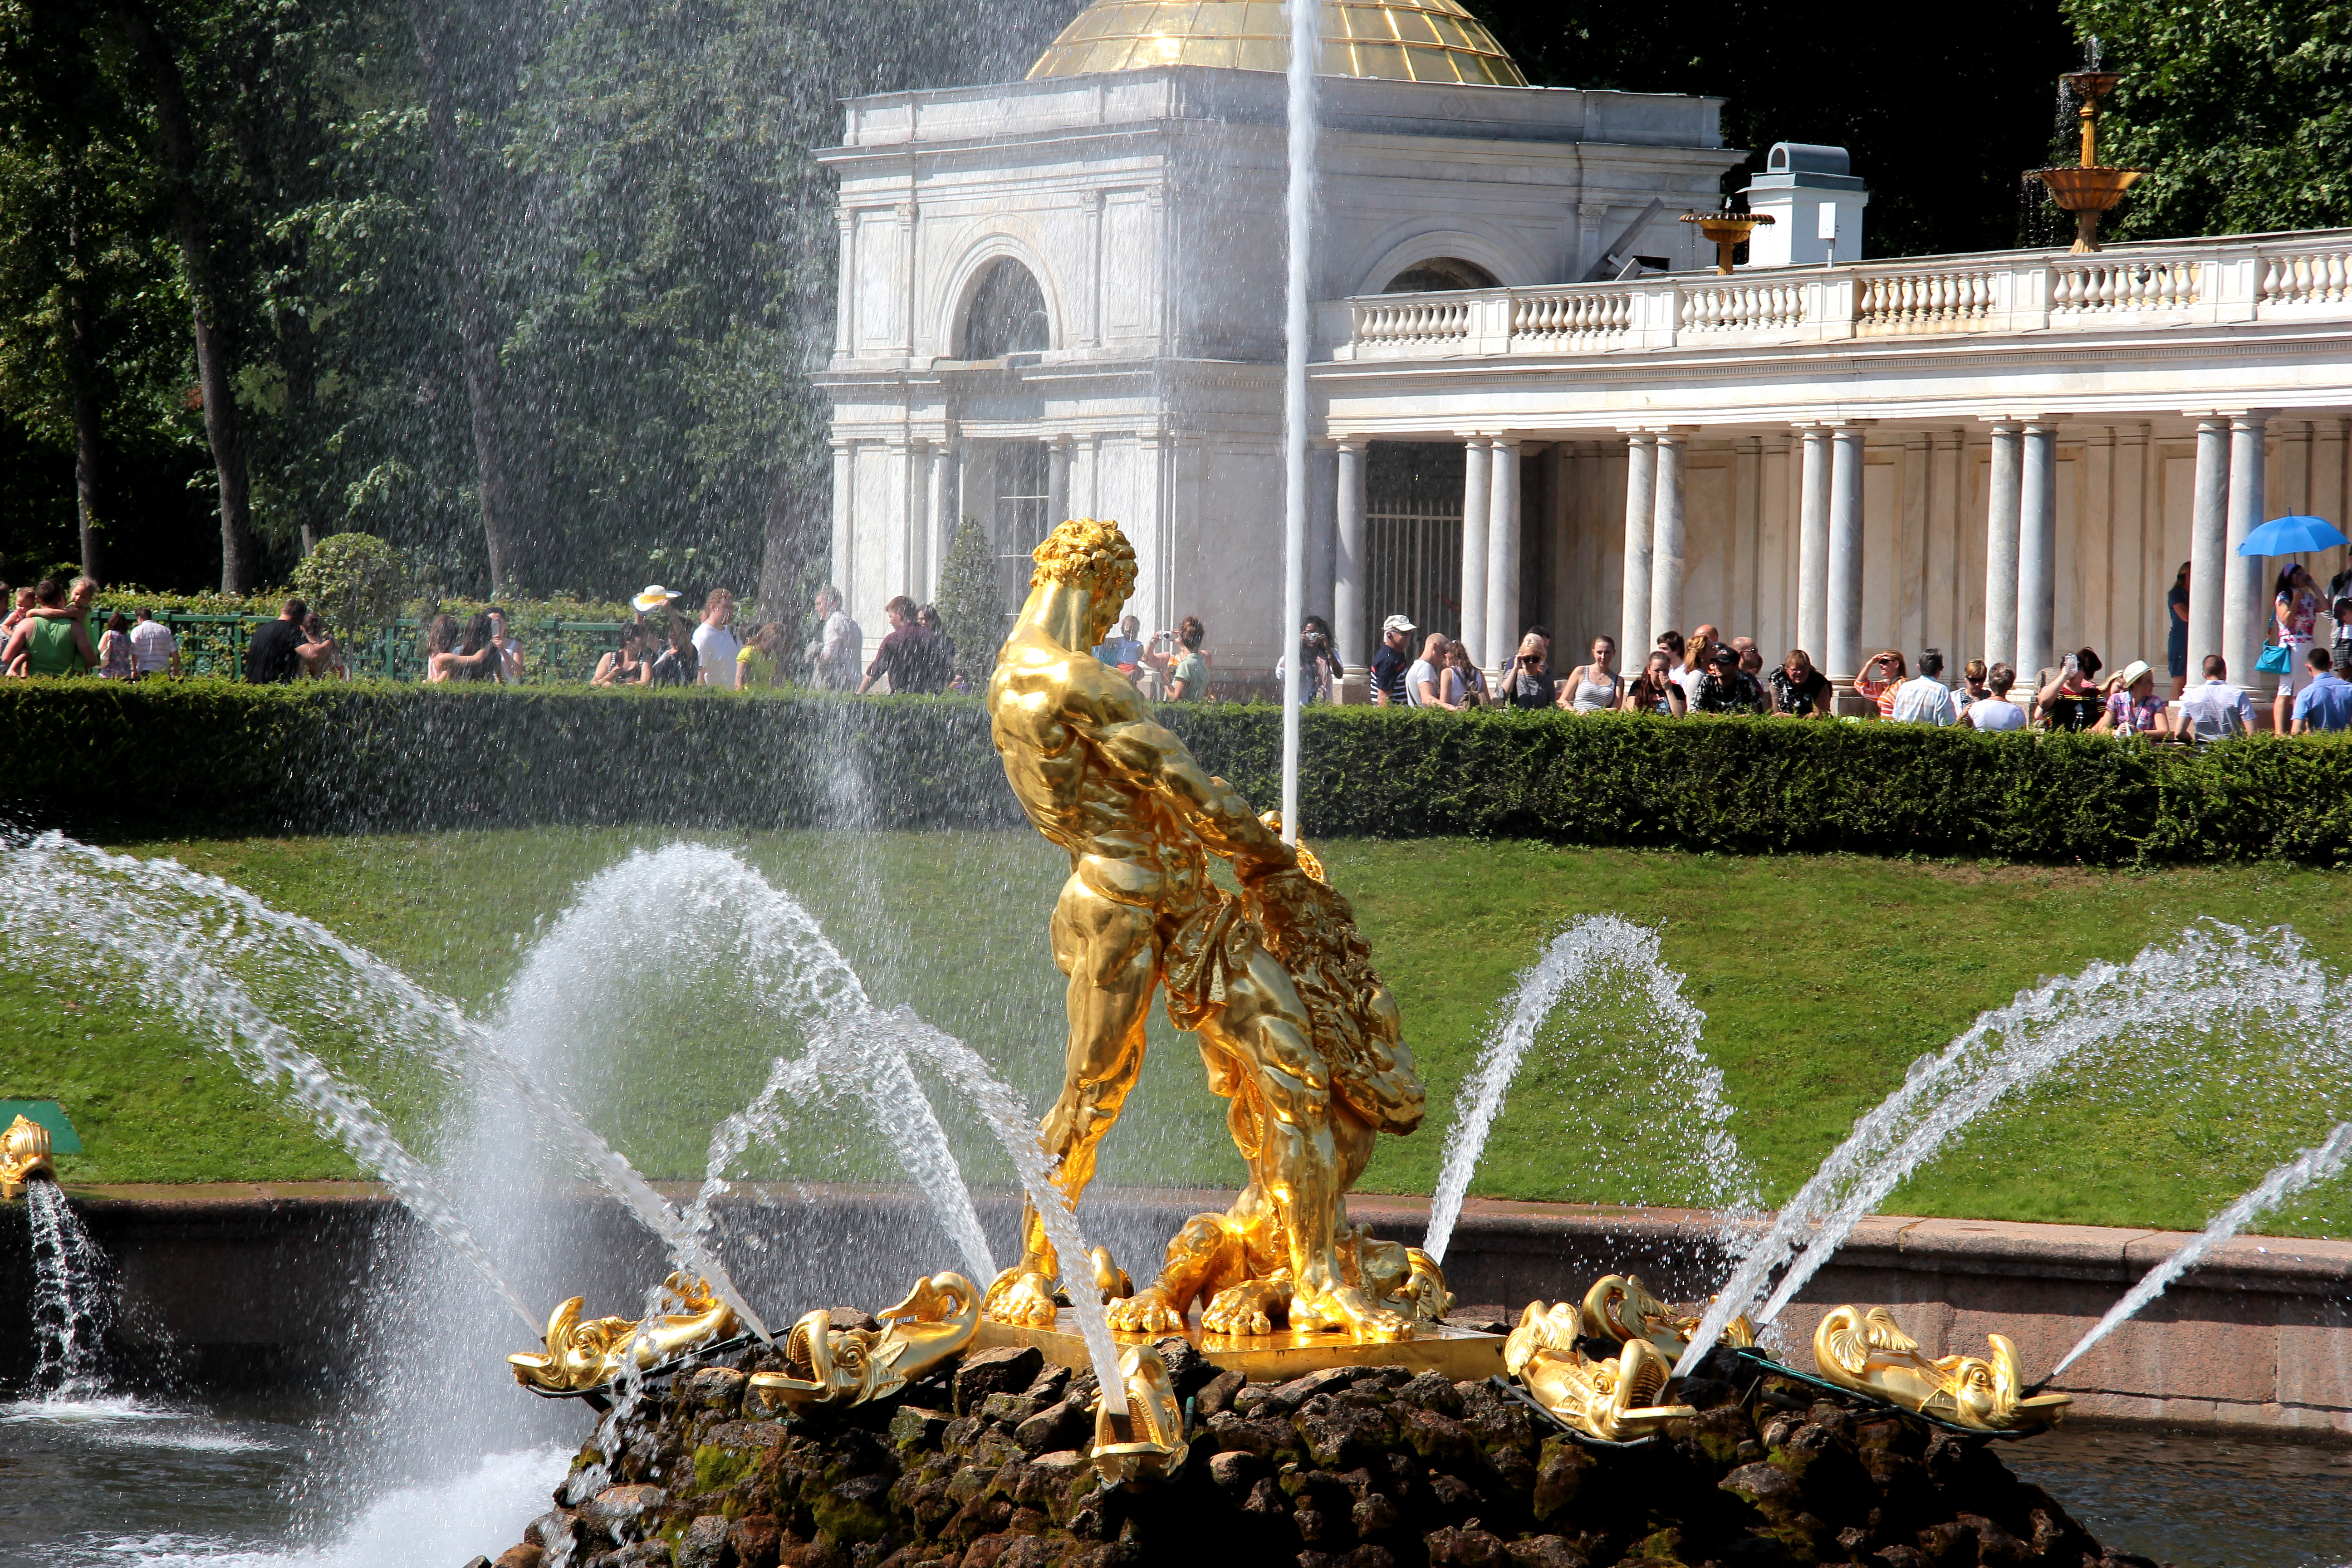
x=50, y=645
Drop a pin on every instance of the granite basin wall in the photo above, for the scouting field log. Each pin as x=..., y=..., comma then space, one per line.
x=261, y=1284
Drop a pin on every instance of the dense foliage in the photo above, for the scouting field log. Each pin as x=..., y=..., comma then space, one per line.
x=2241, y=113
x=530, y=292
x=353, y=580
x=233, y=758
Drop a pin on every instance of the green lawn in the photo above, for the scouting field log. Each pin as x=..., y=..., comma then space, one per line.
x=1821, y=978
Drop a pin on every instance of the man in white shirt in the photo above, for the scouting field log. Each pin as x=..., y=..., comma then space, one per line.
x=1923, y=699
x=1996, y=712
x=836, y=659
x=715, y=646
x=153, y=649
x=2216, y=709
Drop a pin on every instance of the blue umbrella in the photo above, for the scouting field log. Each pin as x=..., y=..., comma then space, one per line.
x=2292, y=536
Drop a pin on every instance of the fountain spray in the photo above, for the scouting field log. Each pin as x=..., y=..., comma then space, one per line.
x=2306, y=1169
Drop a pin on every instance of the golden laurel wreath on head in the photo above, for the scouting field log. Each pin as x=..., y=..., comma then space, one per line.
x=1090, y=553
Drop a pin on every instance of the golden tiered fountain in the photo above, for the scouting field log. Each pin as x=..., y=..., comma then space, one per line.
x=1728, y=230
x=2087, y=190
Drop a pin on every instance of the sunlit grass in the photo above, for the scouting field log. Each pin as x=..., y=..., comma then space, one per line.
x=1822, y=978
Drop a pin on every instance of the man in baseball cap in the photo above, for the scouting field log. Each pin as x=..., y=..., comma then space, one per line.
x=1394, y=658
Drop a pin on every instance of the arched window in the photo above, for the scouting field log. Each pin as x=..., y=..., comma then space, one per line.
x=1439, y=272
x=1007, y=315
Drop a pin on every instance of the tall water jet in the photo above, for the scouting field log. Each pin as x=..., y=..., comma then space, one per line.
x=2305, y=1169
x=2215, y=976
x=1596, y=952
x=1306, y=53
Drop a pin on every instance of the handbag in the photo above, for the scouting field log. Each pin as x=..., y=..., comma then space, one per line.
x=2275, y=659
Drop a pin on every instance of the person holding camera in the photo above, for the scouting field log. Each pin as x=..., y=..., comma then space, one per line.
x=1526, y=685
x=1318, y=666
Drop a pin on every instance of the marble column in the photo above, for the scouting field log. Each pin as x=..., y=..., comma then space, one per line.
x=2208, y=540
x=1322, y=527
x=947, y=486
x=1502, y=560
x=1668, y=538
x=1842, y=595
x=2000, y=546
x=1813, y=545
x=1477, y=506
x=1640, y=492
x=2246, y=593
x=1057, y=481
x=845, y=514
x=1349, y=580
x=2037, y=551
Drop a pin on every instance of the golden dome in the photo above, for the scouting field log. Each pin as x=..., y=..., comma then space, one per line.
x=1403, y=40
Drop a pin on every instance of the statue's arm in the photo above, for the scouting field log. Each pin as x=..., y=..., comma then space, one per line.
x=1153, y=755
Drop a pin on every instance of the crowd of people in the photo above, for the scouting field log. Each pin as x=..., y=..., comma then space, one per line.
x=1705, y=674
x=53, y=629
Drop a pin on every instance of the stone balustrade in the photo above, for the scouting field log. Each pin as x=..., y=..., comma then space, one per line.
x=2149, y=285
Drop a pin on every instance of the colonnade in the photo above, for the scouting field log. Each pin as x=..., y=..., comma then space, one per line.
x=2228, y=594
x=1490, y=550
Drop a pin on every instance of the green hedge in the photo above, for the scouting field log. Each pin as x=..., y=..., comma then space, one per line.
x=218, y=757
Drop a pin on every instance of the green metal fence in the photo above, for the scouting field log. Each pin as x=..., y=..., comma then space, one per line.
x=554, y=651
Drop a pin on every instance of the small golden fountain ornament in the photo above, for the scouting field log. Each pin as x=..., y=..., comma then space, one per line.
x=2088, y=189
x=24, y=1155
x=1728, y=230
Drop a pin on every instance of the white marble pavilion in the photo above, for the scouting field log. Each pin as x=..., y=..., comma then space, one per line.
x=1062, y=296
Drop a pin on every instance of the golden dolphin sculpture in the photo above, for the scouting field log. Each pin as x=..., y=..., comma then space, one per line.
x=24, y=1155
x=829, y=1367
x=1870, y=1353
x=585, y=1355
x=1619, y=1306
x=1153, y=1443
x=1614, y=1397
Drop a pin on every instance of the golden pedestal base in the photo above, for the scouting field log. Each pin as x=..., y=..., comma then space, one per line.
x=1461, y=1355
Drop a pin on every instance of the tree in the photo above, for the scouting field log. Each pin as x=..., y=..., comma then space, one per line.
x=180, y=156
x=88, y=354
x=354, y=580
x=968, y=605
x=2241, y=114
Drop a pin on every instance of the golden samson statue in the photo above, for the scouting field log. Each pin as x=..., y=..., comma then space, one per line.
x=1294, y=1027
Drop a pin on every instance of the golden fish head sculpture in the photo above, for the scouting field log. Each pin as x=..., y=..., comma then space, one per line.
x=1868, y=1352
x=1151, y=1442
x=830, y=1368
x=1614, y=1398
x=1555, y=1326
x=24, y=1155
x=1619, y=1307
x=581, y=1356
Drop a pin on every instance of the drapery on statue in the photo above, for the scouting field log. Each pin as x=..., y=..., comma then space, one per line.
x=1294, y=1027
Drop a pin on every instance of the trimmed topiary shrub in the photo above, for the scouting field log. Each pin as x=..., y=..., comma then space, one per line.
x=164, y=756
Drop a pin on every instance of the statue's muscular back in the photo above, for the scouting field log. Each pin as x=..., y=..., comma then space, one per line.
x=1050, y=709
